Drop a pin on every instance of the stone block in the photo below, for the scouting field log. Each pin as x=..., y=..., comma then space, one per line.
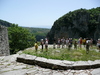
x=57, y=62
x=81, y=65
x=41, y=62
x=29, y=59
x=94, y=64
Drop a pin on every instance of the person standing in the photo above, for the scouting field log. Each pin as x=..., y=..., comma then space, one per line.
x=67, y=42
x=87, y=45
x=75, y=44
x=59, y=42
x=84, y=42
x=98, y=45
x=46, y=44
x=36, y=46
x=42, y=43
x=80, y=42
x=63, y=42
x=91, y=42
x=70, y=43
x=54, y=43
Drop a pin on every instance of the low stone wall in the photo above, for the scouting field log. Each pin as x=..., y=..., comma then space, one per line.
x=57, y=64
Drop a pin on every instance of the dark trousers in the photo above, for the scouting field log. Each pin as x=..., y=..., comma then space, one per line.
x=87, y=48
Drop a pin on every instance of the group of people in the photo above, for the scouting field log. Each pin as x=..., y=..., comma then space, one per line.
x=68, y=43
x=43, y=42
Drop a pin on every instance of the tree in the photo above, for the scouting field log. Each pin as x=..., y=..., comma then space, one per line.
x=19, y=38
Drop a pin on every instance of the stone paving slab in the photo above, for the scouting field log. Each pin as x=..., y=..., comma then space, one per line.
x=96, y=71
x=19, y=67
x=14, y=72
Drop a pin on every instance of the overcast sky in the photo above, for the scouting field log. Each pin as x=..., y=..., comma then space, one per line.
x=40, y=13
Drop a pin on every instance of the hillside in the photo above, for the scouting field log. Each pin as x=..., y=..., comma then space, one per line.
x=39, y=33
x=79, y=23
x=5, y=23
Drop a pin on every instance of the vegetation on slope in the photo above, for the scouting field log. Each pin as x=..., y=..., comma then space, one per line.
x=5, y=23
x=79, y=23
x=39, y=33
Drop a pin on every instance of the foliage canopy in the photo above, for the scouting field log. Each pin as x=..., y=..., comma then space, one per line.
x=19, y=38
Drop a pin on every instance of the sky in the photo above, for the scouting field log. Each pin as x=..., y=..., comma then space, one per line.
x=40, y=13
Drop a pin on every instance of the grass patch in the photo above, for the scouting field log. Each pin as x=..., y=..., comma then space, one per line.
x=65, y=54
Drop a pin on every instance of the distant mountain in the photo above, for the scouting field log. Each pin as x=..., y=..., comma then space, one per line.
x=79, y=23
x=39, y=33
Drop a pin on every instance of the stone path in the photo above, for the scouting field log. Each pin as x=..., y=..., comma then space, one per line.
x=9, y=66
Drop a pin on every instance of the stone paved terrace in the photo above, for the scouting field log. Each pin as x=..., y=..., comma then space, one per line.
x=9, y=66
x=32, y=65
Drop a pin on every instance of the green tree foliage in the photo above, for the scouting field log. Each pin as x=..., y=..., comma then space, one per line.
x=5, y=23
x=39, y=33
x=19, y=38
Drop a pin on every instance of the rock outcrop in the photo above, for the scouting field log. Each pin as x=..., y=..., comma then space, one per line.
x=79, y=23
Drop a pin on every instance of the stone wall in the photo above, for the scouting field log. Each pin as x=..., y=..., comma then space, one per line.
x=4, y=45
x=58, y=64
